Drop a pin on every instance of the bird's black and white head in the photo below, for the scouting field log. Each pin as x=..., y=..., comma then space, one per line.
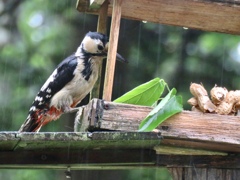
x=96, y=44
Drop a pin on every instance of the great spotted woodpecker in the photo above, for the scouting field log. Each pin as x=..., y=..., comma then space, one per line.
x=69, y=83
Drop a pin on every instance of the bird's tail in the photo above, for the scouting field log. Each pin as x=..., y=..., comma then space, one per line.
x=39, y=118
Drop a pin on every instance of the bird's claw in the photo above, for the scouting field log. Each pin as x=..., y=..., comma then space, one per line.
x=69, y=110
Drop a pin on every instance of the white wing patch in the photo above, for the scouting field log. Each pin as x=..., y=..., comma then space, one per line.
x=49, y=80
x=48, y=96
x=38, y=98
x=48, y=90
x=33, y=108
x=40, y=103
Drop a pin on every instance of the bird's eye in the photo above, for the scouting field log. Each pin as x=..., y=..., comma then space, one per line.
x=100, y=47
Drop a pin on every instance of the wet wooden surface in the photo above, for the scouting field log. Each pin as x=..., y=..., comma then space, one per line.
x=99, y=150
x=187, y=129
x=207, y=15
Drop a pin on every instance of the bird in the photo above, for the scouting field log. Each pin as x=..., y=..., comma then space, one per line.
x=69, y=83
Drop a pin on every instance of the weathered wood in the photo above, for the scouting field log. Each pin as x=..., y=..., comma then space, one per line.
x=173, y=150
x=201, y=161
x=208, y=15
x=177, y=173
x=97, y=150
x=78, y=159
x=101, y=28
x=102, y=18
x=95, y=140
x=186, y=129
x=210, y=174
x=203, y=174
x=8, y=141
x=112, y=49
x=60, y=149
x=116, y=158
x=78, y=150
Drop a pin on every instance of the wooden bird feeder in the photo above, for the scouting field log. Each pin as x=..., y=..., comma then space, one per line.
x=190, y=144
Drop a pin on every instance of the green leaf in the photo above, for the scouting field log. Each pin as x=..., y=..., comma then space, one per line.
x=146, y=94
x=169, y=106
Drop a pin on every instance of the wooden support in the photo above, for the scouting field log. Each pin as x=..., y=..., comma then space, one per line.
x=98, y=150
x=187, y=129
x=102, y=18
x=208, y=15
x=199, y=161
x=101, y=28
x=78, y=150
x=112, y=49
x=194, y=173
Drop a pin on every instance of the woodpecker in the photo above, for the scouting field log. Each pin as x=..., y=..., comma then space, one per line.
x=69, y=83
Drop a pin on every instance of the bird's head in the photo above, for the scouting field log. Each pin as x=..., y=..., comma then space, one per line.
x=96, y=44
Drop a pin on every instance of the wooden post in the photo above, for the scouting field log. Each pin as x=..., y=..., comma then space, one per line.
x=101, y=28
x=112, y=50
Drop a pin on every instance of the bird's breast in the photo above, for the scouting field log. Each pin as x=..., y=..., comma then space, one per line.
x=79, y=86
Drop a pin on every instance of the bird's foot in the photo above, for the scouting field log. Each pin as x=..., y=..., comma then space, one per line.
x=69, y=110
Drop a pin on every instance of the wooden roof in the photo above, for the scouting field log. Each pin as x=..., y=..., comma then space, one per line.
x=207, y=15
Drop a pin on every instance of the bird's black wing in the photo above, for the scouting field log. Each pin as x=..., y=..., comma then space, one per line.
x=62, y=75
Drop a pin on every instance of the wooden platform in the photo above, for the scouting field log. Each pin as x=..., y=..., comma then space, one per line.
x=187, y=129
x=190, y=145
x=99, y=150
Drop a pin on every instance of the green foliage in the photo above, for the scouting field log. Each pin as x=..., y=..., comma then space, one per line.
x=169, y=105
x=146, y=94
x=28, y=174
x=148, y=174
x=40, y=36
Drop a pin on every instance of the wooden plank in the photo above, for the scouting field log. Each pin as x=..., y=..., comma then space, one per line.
x=207, y=15
x=8, y=140
x=194, y=173
x=177, y=173
x=112, y=49
x=116, y=158
x=171, y=150
x=186, y=129
x=101, y=28
x=99, y=150
x=201, y=161
x=95, y=140
x=78, y=159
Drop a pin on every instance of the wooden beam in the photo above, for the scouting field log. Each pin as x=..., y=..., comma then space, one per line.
x=96, y=3
x=186, y=129
x=198, y=161
x=109, y=159
x=203, y=173
x=101, y=28
x=61, y=149
x=208, y=15
x=112, y=49
x=78, y=159
x=14, y=141
x=102, y=18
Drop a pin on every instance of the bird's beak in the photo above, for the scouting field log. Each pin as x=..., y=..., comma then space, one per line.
x=120, y=58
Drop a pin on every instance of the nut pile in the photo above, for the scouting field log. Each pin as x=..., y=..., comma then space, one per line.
x=222, y=101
